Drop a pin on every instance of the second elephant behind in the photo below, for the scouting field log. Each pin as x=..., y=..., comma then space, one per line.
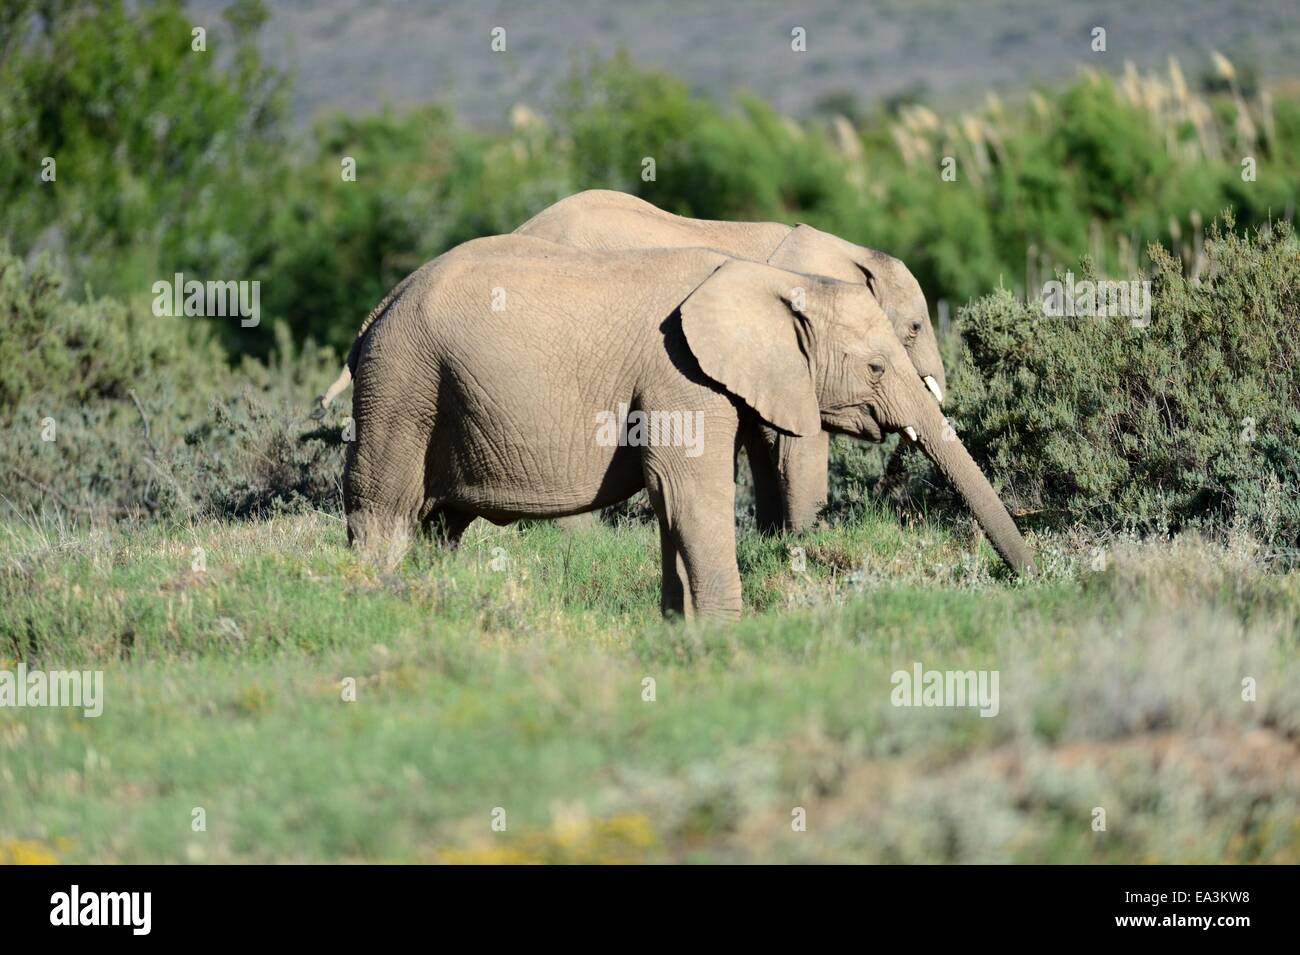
x=790, y=474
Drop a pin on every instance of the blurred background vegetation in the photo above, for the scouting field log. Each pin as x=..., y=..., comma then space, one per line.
x=174, y=161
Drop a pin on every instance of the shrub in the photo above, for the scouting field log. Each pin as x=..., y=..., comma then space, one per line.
x=1191, y=421
x=255, y=456
x=107, y=414
x=63, y=351
x=165, y=159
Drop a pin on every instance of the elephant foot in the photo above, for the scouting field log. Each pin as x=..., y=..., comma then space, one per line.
x=446, y=527
x=380, y=539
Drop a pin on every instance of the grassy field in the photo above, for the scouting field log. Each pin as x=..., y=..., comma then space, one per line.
x=506, y=682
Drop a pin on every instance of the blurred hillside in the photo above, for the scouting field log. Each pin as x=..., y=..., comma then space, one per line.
x=356, y=55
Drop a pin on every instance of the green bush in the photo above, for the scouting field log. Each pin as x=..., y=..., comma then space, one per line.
x=1193, y=420
x=59, y=351
x=256, y=454
x=165, y=158
x=106, y=412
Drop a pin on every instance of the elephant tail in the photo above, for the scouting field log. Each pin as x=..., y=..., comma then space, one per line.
x=350, y=366
x=333, y=391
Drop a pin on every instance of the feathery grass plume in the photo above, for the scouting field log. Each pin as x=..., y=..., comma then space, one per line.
x=1223, y=66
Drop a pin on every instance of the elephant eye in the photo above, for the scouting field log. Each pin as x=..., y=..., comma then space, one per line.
x=877, y=368
x=916, y=327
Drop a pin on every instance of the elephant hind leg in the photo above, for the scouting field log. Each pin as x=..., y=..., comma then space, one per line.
x=382, y=490
x=381, y=536
x=446, y=526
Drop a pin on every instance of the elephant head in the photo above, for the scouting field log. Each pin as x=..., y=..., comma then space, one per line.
x=892, y=285
x=806, y=353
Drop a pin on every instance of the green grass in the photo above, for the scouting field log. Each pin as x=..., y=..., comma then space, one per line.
x=510, y=674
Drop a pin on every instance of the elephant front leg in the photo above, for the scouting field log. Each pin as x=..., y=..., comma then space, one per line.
x=695, y=502
x=791, y=478
x=675, y=596
x=802, y=464
x=769, y=501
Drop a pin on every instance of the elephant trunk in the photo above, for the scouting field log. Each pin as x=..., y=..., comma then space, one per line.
x=941, y=445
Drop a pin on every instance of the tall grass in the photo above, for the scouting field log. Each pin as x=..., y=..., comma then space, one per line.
x=521, y=686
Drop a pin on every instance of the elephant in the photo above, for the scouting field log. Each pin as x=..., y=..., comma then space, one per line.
x=513, y=377
x=790, y=474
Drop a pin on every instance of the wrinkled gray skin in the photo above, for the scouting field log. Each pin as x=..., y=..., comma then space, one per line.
x=465, y=411
x=790, y=474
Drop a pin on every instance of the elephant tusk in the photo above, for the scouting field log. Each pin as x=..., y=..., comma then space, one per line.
x=934, y=388
x=910, y=432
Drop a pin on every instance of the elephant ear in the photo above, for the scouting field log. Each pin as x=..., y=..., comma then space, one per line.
x=806, y=249
x=743, y=328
